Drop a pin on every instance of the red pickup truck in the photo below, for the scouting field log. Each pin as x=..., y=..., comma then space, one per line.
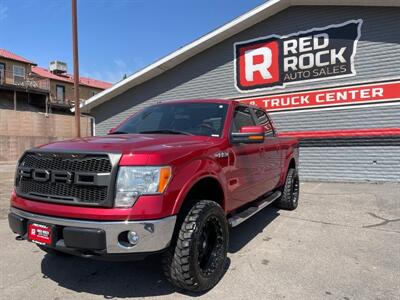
x=171, y=179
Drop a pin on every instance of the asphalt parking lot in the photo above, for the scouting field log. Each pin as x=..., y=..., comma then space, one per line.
x=343, y=242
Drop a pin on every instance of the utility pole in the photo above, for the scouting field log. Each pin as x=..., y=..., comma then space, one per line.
x=76, y=68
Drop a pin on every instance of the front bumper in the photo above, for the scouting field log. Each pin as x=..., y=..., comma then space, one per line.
x=154, y=235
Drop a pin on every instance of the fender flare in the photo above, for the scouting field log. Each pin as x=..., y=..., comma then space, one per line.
x=196, y=178
x=292, y=155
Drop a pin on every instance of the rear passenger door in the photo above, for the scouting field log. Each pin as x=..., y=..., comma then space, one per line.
x=271, y=156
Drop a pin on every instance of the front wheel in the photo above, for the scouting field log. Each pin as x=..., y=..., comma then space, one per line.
x=196, y=259
x=290, y=191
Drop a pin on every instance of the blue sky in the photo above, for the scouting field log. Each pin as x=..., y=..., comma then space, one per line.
x=116, y=37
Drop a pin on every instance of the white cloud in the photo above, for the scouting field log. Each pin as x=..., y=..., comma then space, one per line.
x=116, y=71
x=3, y=11
x=112, y=76
x=120, y=63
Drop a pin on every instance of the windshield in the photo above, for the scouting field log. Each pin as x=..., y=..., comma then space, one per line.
x=206, y=119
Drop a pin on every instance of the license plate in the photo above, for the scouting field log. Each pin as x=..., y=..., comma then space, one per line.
x=40, y=233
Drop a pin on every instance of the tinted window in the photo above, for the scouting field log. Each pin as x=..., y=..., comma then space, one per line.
x=242, y=117
x=262, y=119
x=195, y=118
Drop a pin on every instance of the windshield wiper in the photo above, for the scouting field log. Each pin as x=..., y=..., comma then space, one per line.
x=165, y=131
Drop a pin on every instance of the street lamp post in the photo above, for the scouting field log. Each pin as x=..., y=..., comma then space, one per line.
x=76, y=68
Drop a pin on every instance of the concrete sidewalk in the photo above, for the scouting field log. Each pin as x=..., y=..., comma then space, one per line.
x=7, y=173
x=343, y=242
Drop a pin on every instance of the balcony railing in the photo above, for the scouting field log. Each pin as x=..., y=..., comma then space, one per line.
x=29, y=81
x=64, y=102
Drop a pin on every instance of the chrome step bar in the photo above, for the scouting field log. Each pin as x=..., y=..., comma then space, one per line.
x=238, y=218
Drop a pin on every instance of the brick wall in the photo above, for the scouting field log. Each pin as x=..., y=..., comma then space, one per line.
x=23, y=130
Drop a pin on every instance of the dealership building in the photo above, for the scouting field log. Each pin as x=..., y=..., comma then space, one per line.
x=327, y=71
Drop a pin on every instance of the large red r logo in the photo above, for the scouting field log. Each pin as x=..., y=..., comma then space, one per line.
x=258, y=64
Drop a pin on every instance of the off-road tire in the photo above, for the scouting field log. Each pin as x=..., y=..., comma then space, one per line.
x=290, y=191
x=183, y=261
x=53, y=252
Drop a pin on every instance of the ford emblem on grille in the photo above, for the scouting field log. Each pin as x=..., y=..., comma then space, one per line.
x=42, y=175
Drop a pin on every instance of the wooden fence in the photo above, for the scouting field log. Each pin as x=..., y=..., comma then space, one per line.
x=20, y=130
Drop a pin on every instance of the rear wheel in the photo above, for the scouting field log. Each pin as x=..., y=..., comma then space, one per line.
x=290, y=191
x=197, y=258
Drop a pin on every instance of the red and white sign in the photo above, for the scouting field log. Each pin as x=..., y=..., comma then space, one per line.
x=360, y=94
x=276, y=61
x=40, y=234
x=259, y=63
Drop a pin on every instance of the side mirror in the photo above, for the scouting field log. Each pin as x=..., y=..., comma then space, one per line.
x=249, y=135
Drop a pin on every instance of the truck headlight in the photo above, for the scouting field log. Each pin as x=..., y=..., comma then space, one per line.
x=135, y=181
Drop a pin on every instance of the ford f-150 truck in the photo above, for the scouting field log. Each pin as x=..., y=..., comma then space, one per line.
x=170, y=179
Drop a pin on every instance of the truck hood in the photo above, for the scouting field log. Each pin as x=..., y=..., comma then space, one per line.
x=164, y=146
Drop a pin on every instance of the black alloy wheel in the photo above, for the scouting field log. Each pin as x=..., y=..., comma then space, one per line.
x=196, y=259
x=210, y=246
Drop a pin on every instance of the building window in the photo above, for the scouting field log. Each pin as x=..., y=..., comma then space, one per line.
x=60, y=93
x=18, y=74
x=2, y=73
x=94, y=93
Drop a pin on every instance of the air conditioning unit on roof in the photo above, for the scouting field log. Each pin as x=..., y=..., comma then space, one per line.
x=58, y=67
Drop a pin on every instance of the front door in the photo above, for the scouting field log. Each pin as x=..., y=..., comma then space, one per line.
x=245, y=170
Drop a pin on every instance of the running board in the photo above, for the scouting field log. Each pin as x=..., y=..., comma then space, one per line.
x=237, y=219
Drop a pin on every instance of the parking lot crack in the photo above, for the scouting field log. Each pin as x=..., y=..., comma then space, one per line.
x=334, y=194
x=370, y=227
x=384, y=221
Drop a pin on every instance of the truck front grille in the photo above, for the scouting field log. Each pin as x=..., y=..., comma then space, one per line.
x=65, y=162
x=70, y=178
